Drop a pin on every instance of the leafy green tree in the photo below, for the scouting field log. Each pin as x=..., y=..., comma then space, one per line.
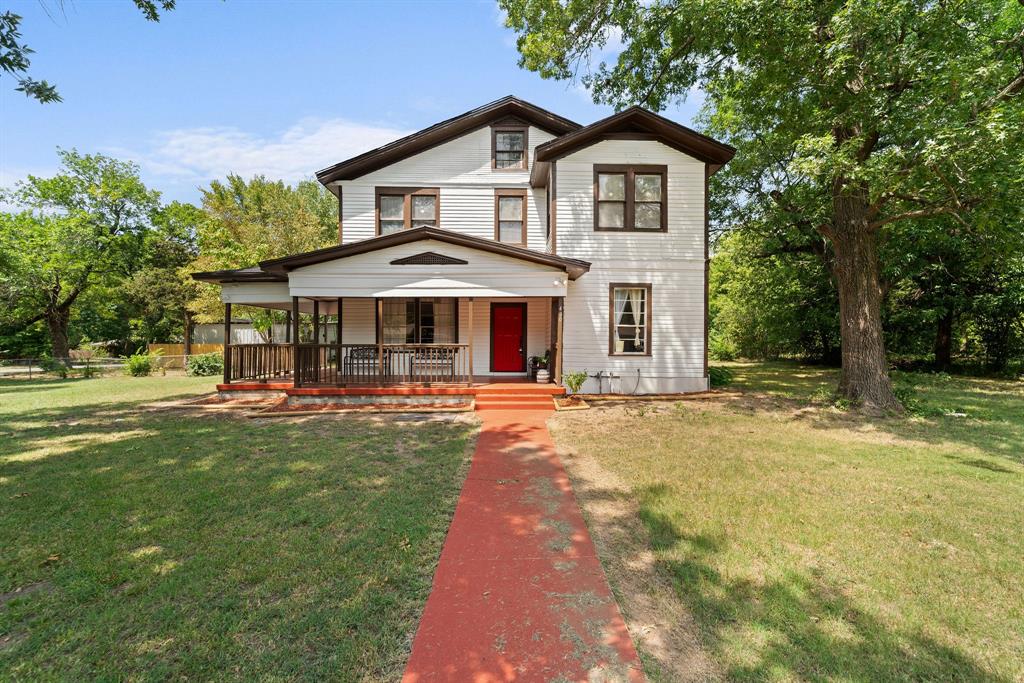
x=81, y=228
x=766, y=304
x=849, y=118
x=14, y=54
x=159, y=292
x=251, y=221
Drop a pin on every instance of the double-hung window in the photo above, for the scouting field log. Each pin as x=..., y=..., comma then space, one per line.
x=401, y=208
x=510, y=216
x=420, y=321
x=629, y=330
x=508, y=147
x=630, y=198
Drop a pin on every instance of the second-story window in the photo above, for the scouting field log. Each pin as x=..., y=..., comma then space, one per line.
x=400, y=208
x=510, y=216
x=630, y=198
x=508, y=147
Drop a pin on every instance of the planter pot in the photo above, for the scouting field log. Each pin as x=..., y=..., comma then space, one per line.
x=543, y=376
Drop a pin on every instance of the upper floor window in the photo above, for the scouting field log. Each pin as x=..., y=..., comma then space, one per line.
x=400, y=208
x=630, y=198
x=629, y=330
x=508, y=147
x=510, y=216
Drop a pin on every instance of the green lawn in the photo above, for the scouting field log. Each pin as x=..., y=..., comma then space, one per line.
x=794, y=541
x=145, y=545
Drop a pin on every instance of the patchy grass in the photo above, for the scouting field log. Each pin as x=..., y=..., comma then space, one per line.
x=790, y=540
x=155, y=544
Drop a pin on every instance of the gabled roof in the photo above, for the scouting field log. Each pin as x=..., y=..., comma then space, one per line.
x=444, y=131
x=635, y=120
x=573, y=267
x=250, y=274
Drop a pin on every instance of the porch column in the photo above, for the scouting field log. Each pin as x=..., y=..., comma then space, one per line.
x=227, y=343
x=338, y=332
x=288, y=327
x=294, y=320
x=469, y=312
x=559, y=324
x=316, y=321
x=380, y=338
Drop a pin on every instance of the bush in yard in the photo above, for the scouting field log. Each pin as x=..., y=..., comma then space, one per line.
x=720, y=376
x=54, y=365
x=140, y=364
x=574, y=380
x=205, y=365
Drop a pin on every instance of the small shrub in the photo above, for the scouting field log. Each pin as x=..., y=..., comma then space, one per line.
x=721, y=348
x=89, y=371
x=574, y=380
x=54, y=366
x=140, y=364
x=205, y=365
x=719, y=376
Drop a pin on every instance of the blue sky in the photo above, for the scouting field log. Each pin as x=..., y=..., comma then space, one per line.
x=281, y=89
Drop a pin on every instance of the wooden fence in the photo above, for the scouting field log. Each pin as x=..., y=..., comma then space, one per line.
x=173, y=355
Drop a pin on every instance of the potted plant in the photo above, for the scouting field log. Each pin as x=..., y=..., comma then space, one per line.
x=539, y=368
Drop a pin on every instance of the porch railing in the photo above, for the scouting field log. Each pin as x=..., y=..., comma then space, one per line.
x=345, y=364
x=260, y=362
x=349, y=364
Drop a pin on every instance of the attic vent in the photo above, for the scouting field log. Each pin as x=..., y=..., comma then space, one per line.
x=429, y=258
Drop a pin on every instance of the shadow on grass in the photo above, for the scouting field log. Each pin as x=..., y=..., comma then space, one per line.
x=799, y=626
x=987, y=414
x=272, y=550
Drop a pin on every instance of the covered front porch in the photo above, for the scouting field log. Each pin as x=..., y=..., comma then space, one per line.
x=422, y=341
x=421, y=308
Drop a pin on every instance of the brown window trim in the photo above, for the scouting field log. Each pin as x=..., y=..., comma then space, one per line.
x=629, y=219
x=648, y=318
x=408, y=193
x=525, y=130
x=498, y=194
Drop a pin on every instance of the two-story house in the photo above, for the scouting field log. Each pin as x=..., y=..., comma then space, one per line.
x=501, y=234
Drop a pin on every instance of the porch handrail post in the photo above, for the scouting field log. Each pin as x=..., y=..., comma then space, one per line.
x=380, y=339
x=296, y=375
x=227, y=343
x=469, y=312
x=559, y=341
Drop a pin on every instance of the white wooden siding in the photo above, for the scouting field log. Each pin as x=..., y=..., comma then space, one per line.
x=371, y=274
x=461, y=168
x=672, y=262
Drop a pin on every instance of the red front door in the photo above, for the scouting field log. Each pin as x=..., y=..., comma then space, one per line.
x=508, y=342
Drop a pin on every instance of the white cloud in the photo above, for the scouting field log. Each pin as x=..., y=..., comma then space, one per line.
x=198, y=155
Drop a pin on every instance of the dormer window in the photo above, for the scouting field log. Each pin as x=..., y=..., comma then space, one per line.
x=630, y=198
x=508, y=147
x=401, y=208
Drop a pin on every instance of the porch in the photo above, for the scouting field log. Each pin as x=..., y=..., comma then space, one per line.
x=482, y=352
x=421, y=307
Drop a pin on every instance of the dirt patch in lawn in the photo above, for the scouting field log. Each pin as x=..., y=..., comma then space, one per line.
x=39, y=587
x=218, y=401
x=664, y=630
x=283, y=407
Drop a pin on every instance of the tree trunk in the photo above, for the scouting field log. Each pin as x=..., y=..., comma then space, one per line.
x=57, y=320
x=944, y=339
x=864, y=377
x=188, y=333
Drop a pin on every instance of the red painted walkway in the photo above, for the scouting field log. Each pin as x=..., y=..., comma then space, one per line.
x=519, y=594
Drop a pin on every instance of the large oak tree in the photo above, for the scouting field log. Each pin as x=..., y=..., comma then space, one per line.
x=849, y=117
